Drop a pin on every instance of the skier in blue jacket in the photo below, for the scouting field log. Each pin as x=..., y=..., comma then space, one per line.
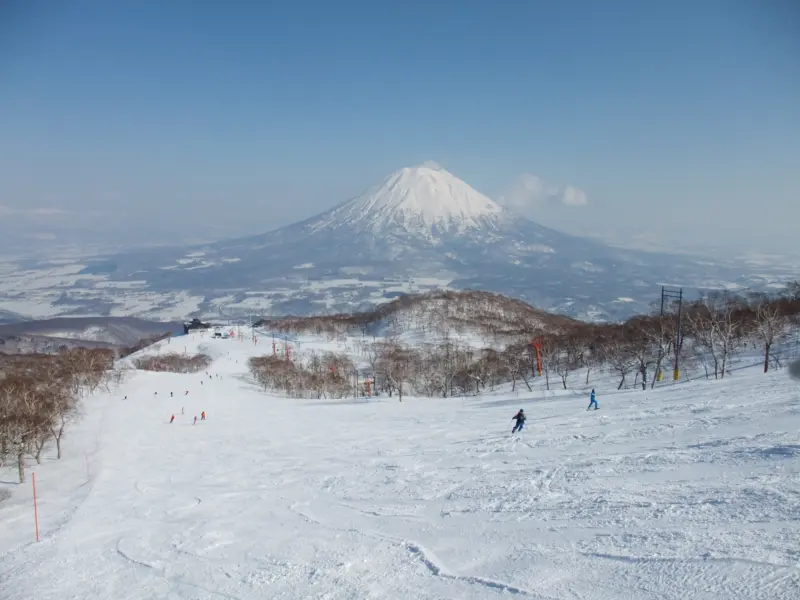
x=592, y=400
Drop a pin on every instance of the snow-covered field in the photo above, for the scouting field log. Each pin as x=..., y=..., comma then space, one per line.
x=688, y=491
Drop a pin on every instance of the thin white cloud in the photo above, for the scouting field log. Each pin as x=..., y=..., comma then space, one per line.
x=572, y=196
x=46, y=212
x=433, y=165
x=529, y=191
x=10, y=211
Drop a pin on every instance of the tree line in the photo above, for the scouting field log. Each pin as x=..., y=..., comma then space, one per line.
x=173, y=362
x=41, y=394
x=433, y=312
x=326, y=375
x=707, y=334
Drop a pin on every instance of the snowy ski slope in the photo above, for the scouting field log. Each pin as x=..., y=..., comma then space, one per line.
x=689, y=491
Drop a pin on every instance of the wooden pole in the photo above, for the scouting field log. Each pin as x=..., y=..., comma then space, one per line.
x=35, y=508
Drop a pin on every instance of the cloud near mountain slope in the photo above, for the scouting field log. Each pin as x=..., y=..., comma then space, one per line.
x=528, y=191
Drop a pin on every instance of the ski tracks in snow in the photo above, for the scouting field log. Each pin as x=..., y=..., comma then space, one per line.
x=684, y=492
x=417, y=551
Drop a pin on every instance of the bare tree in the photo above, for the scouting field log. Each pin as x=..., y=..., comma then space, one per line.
x=396, y=366
x=529, y=366
x=643, y=343
x=621, y=356
x=515, y=364
x=448, y=363
x=23, y=418
x=659, y=331
x=717, y=327
x=63, y=408
x=567, y=356
x=594, y=355
x=489, y=368
x=370, y=352
x=40, y=395
x=173, y=362
x=770, y=324
x=549, y=347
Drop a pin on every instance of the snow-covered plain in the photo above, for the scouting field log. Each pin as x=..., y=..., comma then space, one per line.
x=688, y=491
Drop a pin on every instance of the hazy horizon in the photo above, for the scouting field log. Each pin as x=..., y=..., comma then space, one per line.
x=671, y=127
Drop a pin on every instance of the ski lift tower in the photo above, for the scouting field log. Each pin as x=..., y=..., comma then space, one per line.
x=674, y=295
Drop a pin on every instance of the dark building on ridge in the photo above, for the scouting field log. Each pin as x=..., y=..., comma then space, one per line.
x=195, y=324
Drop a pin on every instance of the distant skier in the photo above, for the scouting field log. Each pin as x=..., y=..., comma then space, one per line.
x=182, y=410
x=520, y=419
x=203, y=416
x=186, y=393
x=170, y=394
x=172, y=419
x=195, y=420
x=201, y=382
x=592, y=400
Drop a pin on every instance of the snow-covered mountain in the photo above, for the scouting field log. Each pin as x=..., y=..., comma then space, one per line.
x=104, y=332
x=415, y=211
x=418, y=202
x=421, y=228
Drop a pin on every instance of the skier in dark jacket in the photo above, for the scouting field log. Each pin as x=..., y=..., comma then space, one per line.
x=520, y=419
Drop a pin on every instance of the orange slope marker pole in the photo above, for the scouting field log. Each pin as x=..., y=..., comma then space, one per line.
x=538, y=347
x=35, y=508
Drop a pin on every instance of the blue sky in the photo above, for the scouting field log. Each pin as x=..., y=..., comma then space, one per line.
x=679, y=120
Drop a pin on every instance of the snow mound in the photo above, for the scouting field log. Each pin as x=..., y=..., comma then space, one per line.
x=482, y=318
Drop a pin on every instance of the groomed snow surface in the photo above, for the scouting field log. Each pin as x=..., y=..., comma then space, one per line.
x=690, y=491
